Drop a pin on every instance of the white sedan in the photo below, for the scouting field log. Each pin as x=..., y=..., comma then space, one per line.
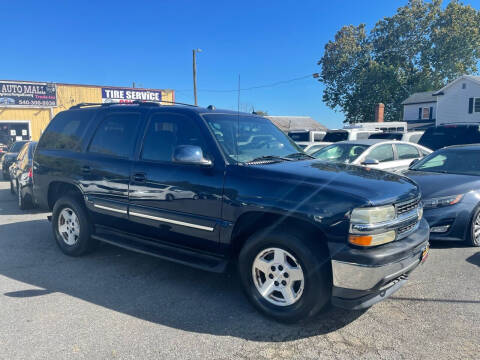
x=376, y=154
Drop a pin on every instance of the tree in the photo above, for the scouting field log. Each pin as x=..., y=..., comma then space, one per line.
x=420, y=48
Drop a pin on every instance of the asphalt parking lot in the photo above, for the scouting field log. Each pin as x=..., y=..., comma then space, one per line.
x=118, y=304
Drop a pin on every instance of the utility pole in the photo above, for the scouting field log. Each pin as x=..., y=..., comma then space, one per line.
x=194, y=51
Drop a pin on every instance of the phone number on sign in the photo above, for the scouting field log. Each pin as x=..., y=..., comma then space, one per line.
x=37, y=102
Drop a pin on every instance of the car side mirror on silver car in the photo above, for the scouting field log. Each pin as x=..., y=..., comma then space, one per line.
x=370, y=162
x=190, y=154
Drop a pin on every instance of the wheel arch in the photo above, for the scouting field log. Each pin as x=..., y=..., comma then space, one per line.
x=57, y=189
x=254, y=221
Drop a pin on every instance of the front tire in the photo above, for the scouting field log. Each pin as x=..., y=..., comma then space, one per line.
x=71, y=227
x=285, y=276
x=473, y=238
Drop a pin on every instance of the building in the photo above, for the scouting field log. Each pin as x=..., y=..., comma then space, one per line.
x=458, y=101
x=419, y=110
x=26, y=107
x=287, y=123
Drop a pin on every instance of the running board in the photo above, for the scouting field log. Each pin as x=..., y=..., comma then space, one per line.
x=178, y=255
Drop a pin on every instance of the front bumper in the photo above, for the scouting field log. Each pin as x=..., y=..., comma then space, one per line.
x=363, y=277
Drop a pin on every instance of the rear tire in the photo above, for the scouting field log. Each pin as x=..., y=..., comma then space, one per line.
x=71, y=226
x=24, y=203
x=472, y=238
x=305, y=260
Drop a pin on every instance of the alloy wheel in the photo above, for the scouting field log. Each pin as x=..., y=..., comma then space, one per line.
x=68, y=226
x=476, y=229
x=278, y=276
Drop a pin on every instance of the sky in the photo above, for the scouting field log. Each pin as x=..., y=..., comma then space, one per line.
x=150, y=43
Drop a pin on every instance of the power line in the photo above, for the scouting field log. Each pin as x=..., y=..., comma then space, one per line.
x=254, y=87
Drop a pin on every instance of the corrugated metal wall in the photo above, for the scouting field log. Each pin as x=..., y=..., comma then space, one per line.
x=67, y=96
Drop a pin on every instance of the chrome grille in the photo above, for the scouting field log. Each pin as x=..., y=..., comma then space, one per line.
x=407, y=206
x=406, y=228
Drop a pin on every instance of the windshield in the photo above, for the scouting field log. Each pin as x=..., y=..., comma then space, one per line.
x=245, y=138
x=336, y=136
x=345, y=153
x=299, y=135
x=437, y=137
x=390, y=136
x=451, y=161
x=17, y=146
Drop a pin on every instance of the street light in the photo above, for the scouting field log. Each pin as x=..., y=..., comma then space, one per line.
x=195, y=51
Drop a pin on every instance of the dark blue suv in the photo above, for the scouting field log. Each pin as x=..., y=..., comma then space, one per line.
x=205, y=187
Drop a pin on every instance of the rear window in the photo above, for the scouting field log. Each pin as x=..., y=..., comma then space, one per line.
x=336, y=136
x=389, y=136
x=441, y=136
x=299, y=136
x=66, y=130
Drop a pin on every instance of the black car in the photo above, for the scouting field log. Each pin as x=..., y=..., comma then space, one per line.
x=21, y=176
x=10, y=157
x=302, y=232
x=450, y=183
x=437, y=137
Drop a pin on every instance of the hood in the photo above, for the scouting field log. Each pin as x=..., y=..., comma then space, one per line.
x=373, y=186
x=437, y=184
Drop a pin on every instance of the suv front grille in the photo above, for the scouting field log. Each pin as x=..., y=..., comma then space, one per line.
x=407, y=206
x=406, y=228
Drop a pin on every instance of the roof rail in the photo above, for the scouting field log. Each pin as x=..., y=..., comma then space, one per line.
x=136, y=102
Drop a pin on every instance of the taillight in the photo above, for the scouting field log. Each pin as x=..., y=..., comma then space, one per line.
x=30, y=173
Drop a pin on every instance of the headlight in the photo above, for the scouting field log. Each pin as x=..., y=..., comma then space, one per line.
x=373, y=215
x=442, y=201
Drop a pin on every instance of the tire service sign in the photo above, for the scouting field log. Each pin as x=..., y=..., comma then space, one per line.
x=128, y=95
x=27, y=94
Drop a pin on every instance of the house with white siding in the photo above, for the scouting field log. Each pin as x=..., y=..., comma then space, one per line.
x=419, y=110
x=459, y=101
x=456, y=102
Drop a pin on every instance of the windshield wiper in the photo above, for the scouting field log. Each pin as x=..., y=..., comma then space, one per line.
x=299, y=155
x=269, y=157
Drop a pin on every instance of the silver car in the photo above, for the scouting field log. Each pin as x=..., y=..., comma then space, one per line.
x=376, y=154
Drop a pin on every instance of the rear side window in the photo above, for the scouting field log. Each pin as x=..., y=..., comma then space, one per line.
x=116, y=134
x=66, y=130
x=381, y=153
x=405, y=151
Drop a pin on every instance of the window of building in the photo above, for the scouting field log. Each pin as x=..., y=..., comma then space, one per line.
x=116, y=135
x=425, y=113
x=477, y=105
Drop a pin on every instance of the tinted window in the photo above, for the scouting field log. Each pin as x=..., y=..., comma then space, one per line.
x=22, y=152
x=116, y=135
x=406, y=152
x=66, y=130
x=437, y=137
x=381, y=153
x=335, y=136
x=299, y=136
x=389, y=136
x=453, y=161
x=166, y=132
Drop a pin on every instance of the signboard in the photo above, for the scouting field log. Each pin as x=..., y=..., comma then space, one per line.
x=128, y=95
x=27, y=94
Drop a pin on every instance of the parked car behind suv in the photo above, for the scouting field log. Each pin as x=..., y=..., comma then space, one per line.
x=21, y=176
x=302, y=232
x=376, y=154
x=10, y=156
x=441, y=136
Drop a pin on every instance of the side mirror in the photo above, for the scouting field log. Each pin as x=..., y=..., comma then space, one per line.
x=190, y=154
x=370, y=162
x=413, y=163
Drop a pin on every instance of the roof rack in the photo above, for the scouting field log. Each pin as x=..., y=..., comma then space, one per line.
x=136, y=102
